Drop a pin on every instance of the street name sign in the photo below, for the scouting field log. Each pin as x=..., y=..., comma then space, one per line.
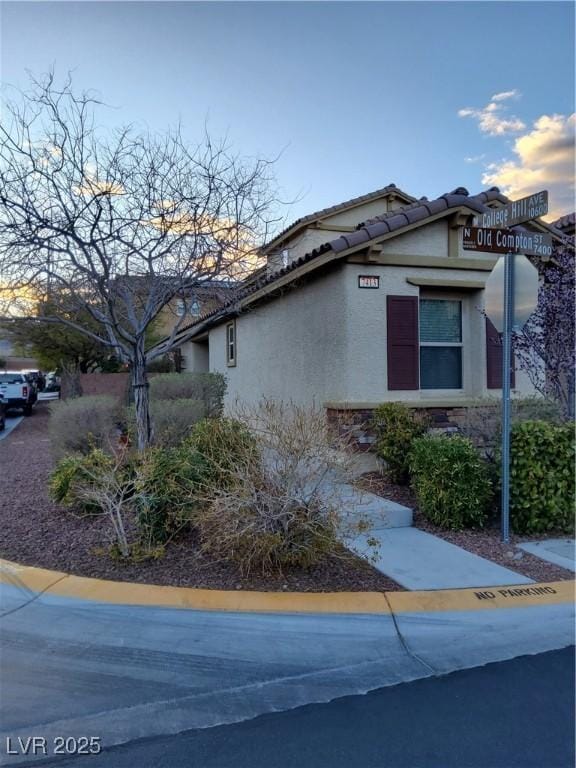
x=518, y=211
x=506, y=241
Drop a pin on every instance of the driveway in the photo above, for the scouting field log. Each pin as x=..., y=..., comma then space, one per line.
x=12, y=422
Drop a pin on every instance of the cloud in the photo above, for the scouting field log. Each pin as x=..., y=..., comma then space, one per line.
x=513, y=94
x=491, y=118
x=474, y=158
x=544, y=160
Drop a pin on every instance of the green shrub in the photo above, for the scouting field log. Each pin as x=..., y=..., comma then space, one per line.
x=73, y=473
x=451, y=481
x=396, y=427
x=83, y=423
x=542, y=477
x=224, y=444
x=166, y=484
x=209, y=388
x=163, y=364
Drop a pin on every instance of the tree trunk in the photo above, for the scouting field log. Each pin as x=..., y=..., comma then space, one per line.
x=141, y=397
x=70, y=385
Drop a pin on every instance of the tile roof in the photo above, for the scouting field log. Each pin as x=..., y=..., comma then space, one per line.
x=388, y=189
x=365, y=232
x=567, y=222
x=417, y=211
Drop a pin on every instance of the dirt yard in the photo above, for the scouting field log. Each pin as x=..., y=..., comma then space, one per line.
x=34, y=531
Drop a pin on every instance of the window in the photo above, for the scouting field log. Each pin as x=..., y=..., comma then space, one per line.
x=231, y=344
x=440, y=344
x=193, y=308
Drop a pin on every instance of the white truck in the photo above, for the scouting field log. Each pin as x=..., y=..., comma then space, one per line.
x=18, y=391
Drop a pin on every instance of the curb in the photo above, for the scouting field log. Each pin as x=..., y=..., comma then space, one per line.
x=39, y=581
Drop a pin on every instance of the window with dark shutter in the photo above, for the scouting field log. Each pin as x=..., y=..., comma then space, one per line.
x=440, y=344
x=494, y=359
x=402, y=342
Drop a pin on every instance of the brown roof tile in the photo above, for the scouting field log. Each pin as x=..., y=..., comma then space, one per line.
x=376, y=227
x=336, y=208
x=567, y=222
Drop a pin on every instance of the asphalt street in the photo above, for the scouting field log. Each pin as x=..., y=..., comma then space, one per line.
x=512, y=714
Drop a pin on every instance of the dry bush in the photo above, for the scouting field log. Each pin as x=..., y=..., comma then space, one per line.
x=83, y=423
x=111, y=490
x=209, y=388
x=172, y=421
x=99, y=484
x=280, y=506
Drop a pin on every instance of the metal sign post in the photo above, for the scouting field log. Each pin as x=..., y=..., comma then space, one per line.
x=506, y=369
x=492, y=235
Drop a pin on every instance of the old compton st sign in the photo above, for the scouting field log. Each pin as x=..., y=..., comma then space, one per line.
x=506, y=241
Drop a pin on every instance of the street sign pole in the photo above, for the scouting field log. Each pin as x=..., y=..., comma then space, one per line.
x=506, y=370
x=492, y=234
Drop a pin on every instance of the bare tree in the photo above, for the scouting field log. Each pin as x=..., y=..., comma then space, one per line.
x=118, y=221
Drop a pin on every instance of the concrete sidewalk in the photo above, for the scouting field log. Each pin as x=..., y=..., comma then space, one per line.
x=558, y=551
x=413, y=558
x=418, y=560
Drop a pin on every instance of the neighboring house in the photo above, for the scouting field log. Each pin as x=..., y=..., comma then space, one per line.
x=13, y=360
x=189, y=307
x=566, y=224
x=314, y=230
x=387, y=310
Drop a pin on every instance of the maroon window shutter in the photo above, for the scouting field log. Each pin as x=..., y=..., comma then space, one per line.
x=402, y=342
x=494, y=359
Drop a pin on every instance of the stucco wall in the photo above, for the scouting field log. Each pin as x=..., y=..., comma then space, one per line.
x=291, y=348
x=367, y=374
x=431, y=240
x=326, y=341
x=195, y=355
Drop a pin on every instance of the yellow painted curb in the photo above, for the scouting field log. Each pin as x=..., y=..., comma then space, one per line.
x=36, y=580
x=130, y=593
x=482, y=598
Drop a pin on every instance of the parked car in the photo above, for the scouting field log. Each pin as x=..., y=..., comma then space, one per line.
x=52, y=382
x=37, y=377
x=2, y=413
x=18, y=391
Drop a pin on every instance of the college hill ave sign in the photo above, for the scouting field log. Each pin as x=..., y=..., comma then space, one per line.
x=506, y=241
x=516, y=212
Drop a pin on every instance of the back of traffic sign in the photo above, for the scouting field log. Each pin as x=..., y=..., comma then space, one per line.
x=525, y=292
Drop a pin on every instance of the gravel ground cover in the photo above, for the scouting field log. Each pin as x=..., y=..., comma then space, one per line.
x=484, y=542
x=34, y=531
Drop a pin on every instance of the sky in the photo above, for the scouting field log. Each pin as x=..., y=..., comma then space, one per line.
x=348, y=96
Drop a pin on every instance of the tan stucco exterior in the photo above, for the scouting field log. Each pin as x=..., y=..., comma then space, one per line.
x=322, y=339
x=325, y=341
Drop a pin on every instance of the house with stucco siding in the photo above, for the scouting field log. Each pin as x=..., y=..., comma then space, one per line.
x=369, y=301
